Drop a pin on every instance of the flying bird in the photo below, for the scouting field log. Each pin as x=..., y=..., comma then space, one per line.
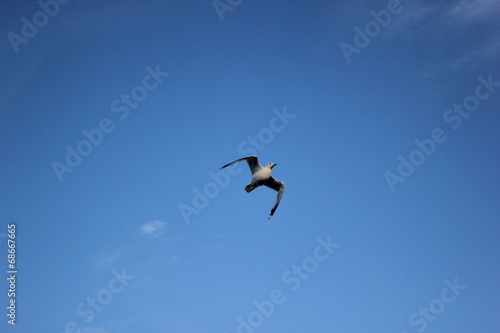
x=262, y=176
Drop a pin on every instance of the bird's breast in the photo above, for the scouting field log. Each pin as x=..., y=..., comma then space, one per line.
x=261, y=175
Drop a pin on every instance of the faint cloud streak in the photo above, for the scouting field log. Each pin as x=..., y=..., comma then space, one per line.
x=476, y=9
x=462, y=35
x=153, y=228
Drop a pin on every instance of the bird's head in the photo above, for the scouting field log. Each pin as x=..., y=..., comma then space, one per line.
x=271, y=165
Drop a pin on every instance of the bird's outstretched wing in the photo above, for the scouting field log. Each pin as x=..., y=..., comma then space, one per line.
x=252, y=160
x=280, y=188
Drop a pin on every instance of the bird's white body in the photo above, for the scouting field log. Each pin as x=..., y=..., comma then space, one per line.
x=262, y=175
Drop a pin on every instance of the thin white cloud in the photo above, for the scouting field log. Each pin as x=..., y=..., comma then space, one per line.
x=153, y=228
x=476, y=9
x=106, y=259
x=475, y=15
x=456, y=35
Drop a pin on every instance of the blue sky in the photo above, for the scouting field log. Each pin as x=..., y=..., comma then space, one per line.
x=389, y=152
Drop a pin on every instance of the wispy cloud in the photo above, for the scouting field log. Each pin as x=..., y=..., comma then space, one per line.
x=473, y=10
x=452, y=35
x=449, y=14
x=106, y=259
x=162, y=231
x=476, y=23
x=153, y=228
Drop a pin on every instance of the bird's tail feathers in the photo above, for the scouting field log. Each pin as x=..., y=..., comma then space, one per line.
x=250, y=187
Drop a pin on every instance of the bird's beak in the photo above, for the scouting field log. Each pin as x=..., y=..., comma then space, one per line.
x=275, y=165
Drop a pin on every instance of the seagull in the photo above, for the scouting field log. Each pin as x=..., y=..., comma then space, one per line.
x=262, y=176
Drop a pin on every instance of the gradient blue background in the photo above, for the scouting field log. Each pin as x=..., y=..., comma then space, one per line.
x=352, y=122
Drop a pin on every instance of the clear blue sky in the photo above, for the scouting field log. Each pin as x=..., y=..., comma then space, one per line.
x=381, y=115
